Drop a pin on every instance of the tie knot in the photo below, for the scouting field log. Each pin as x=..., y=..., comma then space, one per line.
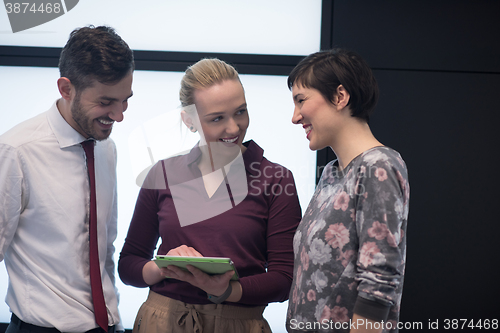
x=88, y=147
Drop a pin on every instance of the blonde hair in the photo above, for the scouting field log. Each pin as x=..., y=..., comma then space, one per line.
x=204, y=74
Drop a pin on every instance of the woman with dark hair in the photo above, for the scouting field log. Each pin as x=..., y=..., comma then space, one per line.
x=349, y=249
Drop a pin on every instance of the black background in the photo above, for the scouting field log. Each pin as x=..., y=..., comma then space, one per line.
x=438, y=67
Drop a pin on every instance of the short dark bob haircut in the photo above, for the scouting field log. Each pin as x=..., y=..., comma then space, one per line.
x=95, y=54
x=326, y=70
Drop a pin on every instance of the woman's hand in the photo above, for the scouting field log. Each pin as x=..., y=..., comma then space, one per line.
x=211, y=284
x=184, y=251
x=152, y=274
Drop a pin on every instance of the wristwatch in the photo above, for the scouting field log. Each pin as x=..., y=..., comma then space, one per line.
x=221, y=298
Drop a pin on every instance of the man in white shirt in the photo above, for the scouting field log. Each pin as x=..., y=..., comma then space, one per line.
x=46, y=185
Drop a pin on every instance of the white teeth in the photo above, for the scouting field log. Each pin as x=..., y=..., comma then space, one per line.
x=308, y=129
x=105, y=122
x=230, y=140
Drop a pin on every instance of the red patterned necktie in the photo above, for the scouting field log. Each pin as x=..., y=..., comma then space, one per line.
x=100, y=312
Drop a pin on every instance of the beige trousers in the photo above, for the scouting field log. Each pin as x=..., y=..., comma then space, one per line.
x=161, y=314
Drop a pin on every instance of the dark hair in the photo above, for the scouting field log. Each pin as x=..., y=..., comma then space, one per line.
x=95, y=53
x=326, y=70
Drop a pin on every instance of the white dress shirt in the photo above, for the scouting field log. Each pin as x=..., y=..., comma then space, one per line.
x=44, y=230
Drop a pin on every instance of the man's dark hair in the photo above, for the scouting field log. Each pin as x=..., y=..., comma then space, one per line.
x=326, y=70
x=95, y=53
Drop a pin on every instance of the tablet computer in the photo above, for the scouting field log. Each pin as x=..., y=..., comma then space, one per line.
x=209, y=265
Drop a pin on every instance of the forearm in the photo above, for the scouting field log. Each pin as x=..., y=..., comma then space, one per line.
x=265, y=288
x=235, y=293
x=365, y=325
x=151, y=273
x=135, y=266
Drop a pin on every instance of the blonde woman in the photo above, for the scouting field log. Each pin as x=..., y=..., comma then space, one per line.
x=222, y=199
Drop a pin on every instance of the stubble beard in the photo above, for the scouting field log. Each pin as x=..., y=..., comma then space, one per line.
x=85, y=123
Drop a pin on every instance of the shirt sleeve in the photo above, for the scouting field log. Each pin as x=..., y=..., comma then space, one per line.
x=12, y=195
x=284, y=217
x=381, y=216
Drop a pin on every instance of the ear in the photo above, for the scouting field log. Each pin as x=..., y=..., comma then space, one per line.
x=341, y=97
x=66, y=88
x=186, y=119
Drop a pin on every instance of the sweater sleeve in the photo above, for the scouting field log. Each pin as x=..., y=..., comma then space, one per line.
x=141, y=240
x=381, y=216
x=284, y=217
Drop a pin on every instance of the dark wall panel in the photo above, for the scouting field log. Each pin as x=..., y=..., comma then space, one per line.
x=453, y=35
x=445, y=125
x=438, y=67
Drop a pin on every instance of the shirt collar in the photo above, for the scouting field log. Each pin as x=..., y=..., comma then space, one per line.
x=65, y=134
x=253, y=153
x=194, y=154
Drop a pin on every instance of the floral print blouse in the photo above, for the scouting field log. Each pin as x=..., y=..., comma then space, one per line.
x=350, y=246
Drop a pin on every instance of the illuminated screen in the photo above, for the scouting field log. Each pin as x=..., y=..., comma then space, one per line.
x=286, y=27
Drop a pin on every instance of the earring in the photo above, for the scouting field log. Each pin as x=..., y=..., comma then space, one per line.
x=192, y=129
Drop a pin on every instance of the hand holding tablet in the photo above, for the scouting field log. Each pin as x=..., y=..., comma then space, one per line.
x=209, y=265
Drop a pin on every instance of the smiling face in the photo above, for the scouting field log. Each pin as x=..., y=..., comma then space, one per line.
x=95, y=109
x=223, y=115
x=316, y=115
